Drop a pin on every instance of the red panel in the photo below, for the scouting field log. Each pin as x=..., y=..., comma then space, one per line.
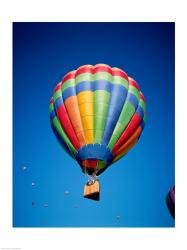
x=51, y=101
x=92, y=163
x=66, y=124
x=118, y=72
x=130, y=140
x=133, y=124
x=83, y=69
x=68, y=76
x=89, y=163
x=142, y=96
x=133, y=83
x=102, y=68
x=58, y=86
x=96, y=69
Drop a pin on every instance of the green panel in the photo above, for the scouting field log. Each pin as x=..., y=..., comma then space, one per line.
x=100, y=109
x=99, y=122
x=119, y=128
x=84, y=77
x=142, y=105
x=51, y=107
x=100, y=165
x=61, y=132
x=120, y=80
x=57, y=94
x=134, y=91
x=125, y=116
x=98, y=136
x=101, y=100
x=145, y=118
x=112, y=141
x=67, y=84
x=124, y=119
x=101, y=96
x=102, y=76
x=127, y=111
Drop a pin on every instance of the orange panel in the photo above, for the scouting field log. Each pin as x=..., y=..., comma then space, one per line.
x=74, y=115
x=81, y=138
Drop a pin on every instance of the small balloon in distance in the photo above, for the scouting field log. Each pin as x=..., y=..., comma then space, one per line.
x=118, y=217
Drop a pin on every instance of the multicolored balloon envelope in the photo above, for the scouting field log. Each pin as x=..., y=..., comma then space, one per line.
x=170, y=201
x=98, y=114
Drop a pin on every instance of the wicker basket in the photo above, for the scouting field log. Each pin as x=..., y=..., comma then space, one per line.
x=91, y=191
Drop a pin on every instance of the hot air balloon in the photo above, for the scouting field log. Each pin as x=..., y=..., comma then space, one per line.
x=97, y=114
x=170, y=201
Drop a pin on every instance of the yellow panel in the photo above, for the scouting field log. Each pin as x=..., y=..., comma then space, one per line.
x=87, y=122
x=89, y=136
x=85, y=96
x=86, y=109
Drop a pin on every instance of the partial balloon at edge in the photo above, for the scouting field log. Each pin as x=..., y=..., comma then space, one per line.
x=170, y=201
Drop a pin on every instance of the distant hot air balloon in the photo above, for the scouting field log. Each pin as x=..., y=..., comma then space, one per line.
x=98, y=114
x=170, y=201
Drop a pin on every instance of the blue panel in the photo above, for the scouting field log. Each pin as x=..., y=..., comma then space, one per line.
x=102, y=85
x=120, y=90
x=68, y=92
x=58, y=102
x=93, y=86
x=142, y=125
x=132, y=99
x=94, y=151
x=109, y=127
x=140, y=112
x=84, y=86
x=52, y=115
x=119, y=94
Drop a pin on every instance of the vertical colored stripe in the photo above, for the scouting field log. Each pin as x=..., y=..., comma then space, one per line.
x=101, y=101
x=126, y=115
x=133, y=124
x=73, y=112
x=67, y=126
x=85, y=102
x=56, y=125
x=61, y=133
x=118, y=96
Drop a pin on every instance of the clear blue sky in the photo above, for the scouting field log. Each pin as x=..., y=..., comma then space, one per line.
x=135, y=187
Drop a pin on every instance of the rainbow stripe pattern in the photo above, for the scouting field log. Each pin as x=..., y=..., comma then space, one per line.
x=98, y=114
